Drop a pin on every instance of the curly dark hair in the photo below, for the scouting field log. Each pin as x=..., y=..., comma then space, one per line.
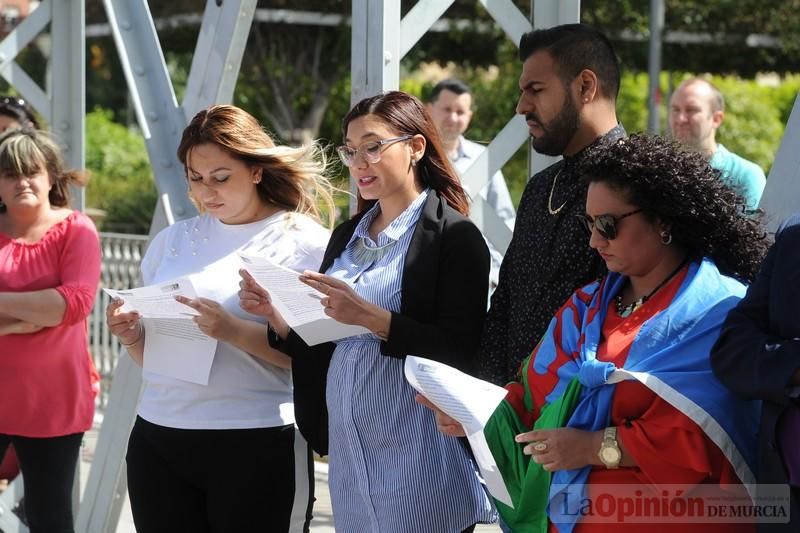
x=680, y=189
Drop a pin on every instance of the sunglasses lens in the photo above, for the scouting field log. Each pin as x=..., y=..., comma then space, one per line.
x=607, y=227
x=586, y=223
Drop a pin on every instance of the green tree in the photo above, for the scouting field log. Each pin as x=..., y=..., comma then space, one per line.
x=121, y=180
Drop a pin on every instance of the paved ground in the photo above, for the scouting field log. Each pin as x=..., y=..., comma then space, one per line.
x=323, y=518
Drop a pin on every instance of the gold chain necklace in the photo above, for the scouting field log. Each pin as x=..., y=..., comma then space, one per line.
x=552, y=190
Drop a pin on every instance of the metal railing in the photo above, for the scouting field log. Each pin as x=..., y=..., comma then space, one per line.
x=121, y=256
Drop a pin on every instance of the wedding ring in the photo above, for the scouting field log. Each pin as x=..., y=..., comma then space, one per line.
x=540, y=446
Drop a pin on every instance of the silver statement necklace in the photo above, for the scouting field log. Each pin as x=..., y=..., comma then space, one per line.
x=364, y=254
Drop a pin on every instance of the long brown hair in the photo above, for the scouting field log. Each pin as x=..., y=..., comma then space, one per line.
x=24, y=152
x=406, y=115
x=292, y=178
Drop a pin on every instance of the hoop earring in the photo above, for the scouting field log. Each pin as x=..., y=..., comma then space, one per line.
x=666, y=238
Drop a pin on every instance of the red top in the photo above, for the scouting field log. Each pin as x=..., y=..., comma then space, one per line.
x=668, y=447
x=46, y=388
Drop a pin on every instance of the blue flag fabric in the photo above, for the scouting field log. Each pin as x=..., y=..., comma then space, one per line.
x=670, y=355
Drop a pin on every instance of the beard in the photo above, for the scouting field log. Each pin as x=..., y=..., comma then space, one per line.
x=558, y=132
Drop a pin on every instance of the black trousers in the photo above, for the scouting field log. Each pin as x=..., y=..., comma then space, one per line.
x=219, y=481
x=48, y=470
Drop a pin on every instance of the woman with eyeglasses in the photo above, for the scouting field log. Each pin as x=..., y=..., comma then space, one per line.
x=618, y=400
x=49, y=272
x=412, y=269
x=225, y=456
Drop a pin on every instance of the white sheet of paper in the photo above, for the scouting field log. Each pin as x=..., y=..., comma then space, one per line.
x=298, y=303
x=469, y=400
x=158, y=301
x=174, y=345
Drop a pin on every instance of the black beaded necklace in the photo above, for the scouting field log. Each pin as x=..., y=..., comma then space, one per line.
x=624, y=311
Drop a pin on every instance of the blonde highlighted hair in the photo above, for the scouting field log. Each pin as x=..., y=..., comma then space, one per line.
x=292, y=178
x=24, y=152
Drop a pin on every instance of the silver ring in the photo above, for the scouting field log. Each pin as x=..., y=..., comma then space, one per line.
x=540, y=446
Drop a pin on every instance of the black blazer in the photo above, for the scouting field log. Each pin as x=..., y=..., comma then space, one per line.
x=759, y=349
x=443, y=303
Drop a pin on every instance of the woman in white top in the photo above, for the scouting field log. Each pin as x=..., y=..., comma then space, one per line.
x=226, y=456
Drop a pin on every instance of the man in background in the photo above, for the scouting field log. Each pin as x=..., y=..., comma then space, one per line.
x=450, y=107
x=696, y=111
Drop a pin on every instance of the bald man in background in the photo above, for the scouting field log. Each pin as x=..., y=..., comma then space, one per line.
x=696, y=111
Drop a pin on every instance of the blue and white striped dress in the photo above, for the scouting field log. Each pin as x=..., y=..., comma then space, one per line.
x=391, y=471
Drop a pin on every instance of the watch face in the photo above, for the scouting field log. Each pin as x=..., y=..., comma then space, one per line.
x=610, y=455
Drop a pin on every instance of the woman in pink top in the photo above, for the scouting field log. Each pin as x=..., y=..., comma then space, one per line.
x=49, y=271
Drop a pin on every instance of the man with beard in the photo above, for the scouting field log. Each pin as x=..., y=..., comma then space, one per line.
x=568, y=90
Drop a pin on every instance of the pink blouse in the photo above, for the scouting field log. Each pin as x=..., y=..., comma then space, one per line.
x=46, y=387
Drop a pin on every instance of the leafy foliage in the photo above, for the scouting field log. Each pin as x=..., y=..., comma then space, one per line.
x=121, y=180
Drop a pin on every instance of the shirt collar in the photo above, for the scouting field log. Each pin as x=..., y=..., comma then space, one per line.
x=396, y=227
x=460, y=152
x=614, y=134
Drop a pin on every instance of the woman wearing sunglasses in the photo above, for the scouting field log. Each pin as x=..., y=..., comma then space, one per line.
x=15, y=113
x=412, y=269
x=619, y=391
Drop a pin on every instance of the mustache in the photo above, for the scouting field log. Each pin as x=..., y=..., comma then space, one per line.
x=532, y=117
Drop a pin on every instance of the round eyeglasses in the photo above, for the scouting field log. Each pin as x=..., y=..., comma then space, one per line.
x=606, y=225
x=369, y=152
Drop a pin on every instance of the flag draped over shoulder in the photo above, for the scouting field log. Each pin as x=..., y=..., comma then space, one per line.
x=670, y=356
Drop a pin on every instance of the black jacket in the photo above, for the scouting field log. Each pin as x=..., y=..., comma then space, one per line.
x=759, y=349
x=443, y=305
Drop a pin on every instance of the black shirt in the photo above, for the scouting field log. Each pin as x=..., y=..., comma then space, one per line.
x=548, y=258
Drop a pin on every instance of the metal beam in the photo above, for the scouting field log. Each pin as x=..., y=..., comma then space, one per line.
x=510, y=19
x=67, y=81
x=654, y=66
x=106, y=487
x=375, y=54
x=781, y=195
x=477, y=175
x=419, y=20
x=549, y=13
x=9, y=521
x=159, y=116
x=20, y=37
x=218, y=54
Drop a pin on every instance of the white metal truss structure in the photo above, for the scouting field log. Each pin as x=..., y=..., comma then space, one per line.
x=380, y=39
x=781, y=196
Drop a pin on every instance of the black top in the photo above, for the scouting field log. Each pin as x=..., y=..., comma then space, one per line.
x=758, y=350
x=442, y=308
x=548, y=258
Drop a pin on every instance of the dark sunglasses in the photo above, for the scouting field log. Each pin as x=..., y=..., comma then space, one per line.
x=15, y=102
x=606, y=225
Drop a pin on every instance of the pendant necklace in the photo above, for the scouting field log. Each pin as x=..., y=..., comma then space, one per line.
x=624, y=311
x=550, y=199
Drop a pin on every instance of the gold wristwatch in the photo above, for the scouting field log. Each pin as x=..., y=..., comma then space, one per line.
x=610, y=454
